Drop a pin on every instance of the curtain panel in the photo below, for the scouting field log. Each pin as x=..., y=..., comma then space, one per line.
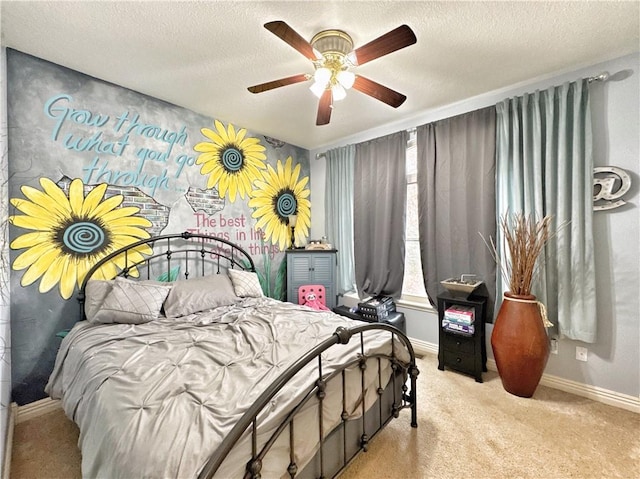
x=380, y=193
x=544, y=166
x=339, y=211
x=456, y=200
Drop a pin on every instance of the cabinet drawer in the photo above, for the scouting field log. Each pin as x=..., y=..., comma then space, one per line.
x=457, y=360
x=457, y=343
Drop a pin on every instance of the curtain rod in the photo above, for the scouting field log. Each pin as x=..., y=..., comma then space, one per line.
x=604, y=76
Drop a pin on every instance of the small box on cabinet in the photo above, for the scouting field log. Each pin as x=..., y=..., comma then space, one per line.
x=377, y=308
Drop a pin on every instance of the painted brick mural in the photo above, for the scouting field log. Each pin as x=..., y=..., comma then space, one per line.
x=94, y=166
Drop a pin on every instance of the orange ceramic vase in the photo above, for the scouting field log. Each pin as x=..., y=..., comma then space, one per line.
x=520, y=344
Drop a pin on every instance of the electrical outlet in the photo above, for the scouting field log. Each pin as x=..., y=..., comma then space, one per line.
x=581, y=353
x=554, y=346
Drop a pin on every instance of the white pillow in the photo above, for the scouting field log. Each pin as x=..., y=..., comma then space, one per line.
x=132, y=302
x=246, y=283
x=199, y=294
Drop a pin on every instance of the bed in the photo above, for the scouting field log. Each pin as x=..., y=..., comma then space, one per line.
x=180, y=367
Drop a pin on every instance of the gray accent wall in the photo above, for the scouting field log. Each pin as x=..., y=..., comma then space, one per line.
x=65, y=125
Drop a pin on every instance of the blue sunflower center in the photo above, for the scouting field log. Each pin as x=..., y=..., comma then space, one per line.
x=285, y=204
x=81, y=238
x=232, y=159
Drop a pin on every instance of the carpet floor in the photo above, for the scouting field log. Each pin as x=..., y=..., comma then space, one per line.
x=465, y=430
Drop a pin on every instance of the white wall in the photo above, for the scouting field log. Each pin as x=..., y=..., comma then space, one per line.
x=614, y=360
x=5, y=324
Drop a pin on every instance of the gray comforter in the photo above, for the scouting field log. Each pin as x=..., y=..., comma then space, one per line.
x=156, y=399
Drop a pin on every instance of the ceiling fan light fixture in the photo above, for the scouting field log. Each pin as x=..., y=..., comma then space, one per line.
x=322, y=75
x=346, y=79
x=351, y=59
x=338, y=92
x=318, y=88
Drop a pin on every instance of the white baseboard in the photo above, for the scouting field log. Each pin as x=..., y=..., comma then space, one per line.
x=423, y=347
x=37, y=408
x=605, y=396
x=8, y=448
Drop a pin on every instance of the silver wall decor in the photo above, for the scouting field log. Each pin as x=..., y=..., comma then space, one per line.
x=610, y=184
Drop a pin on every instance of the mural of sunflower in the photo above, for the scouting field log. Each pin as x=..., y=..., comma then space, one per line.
x=232, y=161
x=276, y=196
x=70, y=234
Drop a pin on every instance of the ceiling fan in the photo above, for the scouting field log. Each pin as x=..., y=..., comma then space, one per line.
x=332, y=54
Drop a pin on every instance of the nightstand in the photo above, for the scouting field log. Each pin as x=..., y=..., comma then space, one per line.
x=466, y=353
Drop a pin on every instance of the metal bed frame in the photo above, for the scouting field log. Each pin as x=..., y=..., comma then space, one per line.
x=206, y=254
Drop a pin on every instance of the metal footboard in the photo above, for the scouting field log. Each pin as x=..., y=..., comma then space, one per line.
x=402, y=398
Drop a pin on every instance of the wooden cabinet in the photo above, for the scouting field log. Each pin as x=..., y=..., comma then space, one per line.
x=312, y=267
x=466, y=353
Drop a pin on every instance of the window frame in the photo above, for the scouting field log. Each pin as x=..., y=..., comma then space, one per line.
x=410, y=298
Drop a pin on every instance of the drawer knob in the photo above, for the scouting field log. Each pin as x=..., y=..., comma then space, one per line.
x=458, y=360
x=458, y=343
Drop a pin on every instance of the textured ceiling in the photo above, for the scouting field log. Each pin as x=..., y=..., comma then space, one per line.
x=204, y=55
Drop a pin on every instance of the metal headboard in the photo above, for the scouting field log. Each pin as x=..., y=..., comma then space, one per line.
x=200, y=254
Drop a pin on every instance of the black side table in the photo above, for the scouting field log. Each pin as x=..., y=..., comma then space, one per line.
x=464, y=353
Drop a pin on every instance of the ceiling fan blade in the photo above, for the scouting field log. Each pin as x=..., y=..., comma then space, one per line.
x=378, y=91
x=324, y=108
x=289, y=35
x=391, y=41
x=278, y=83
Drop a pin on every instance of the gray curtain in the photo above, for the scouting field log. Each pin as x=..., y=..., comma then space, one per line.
x=339, y=211
x=456, y=200
x=380, y=193
x=545, y=167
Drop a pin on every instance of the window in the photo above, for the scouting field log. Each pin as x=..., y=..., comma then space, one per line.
x=413, y=284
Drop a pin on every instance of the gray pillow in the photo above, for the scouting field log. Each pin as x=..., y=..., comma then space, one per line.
x=246, y=283
x=132, y=302
x=95, y=292
x=199, y=294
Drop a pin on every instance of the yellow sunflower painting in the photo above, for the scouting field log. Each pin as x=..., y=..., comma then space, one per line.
x=69, y=234
x=276, y=196
x=232, y=161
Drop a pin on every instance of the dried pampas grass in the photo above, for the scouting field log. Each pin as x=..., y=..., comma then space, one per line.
x=525, y=239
